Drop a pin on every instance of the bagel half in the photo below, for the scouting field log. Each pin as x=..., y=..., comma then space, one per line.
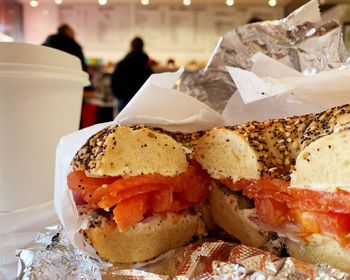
x=130, y=151
x=145, y=240
x=272, y=147
x=295, y=157
x=141, y=184
x=324, y=250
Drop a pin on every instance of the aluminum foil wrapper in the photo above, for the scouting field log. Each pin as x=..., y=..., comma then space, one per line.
x=52, y=256
x=307, y=46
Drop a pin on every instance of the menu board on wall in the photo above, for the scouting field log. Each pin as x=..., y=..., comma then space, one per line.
x=166, y=29
x=187, y=29
x=114, y=25
x=99, y=27
x=163, y=27
x=223, y=21
x=151, y=23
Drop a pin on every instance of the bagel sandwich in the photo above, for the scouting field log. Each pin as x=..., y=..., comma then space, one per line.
x=136, y=187
x=293, y=175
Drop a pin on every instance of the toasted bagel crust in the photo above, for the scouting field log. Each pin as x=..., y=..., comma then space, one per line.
x=273, y=146
x=146, y=239
x=329, y=251
x=129, y=151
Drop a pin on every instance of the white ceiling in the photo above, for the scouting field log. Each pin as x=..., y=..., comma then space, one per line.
x=194, y=2
x=179, y=2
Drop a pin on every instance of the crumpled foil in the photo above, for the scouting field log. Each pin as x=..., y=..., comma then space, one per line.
x=52, y=256
x=295, y=41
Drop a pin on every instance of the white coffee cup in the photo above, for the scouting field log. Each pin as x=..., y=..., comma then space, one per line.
x=40, y=101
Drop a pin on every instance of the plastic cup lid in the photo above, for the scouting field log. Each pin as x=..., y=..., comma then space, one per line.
x=35, y=61
x=22, y=53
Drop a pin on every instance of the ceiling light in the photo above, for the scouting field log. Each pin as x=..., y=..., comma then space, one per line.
x=187, y=2
x=230, y=2
x=144, y=2
x=272, y=3
x=34, y=3
x=58, y=2
x=102, y=2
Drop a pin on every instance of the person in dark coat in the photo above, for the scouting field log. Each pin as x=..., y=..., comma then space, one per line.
x=130, y=73
x=64, y=41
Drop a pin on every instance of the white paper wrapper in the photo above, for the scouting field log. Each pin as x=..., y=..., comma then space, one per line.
x=272, y=90
x=154, y=104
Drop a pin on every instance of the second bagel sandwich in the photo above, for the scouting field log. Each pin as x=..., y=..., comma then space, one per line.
x=289, y=176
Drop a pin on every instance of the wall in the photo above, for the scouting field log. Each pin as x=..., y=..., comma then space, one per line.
x=182, y=33
x=11, y=19
x=39, y=22
x=340, y=13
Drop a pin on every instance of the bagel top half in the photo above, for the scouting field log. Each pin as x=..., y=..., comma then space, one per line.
x=312, y=150
x=121, y=150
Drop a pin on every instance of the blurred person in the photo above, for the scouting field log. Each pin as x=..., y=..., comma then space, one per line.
x=64, y=40
x=130, y=73
x=170, y=64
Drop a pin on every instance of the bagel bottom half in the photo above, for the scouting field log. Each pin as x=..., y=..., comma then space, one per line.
x=327, y=251
x=145, y=240
x=232, y=212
